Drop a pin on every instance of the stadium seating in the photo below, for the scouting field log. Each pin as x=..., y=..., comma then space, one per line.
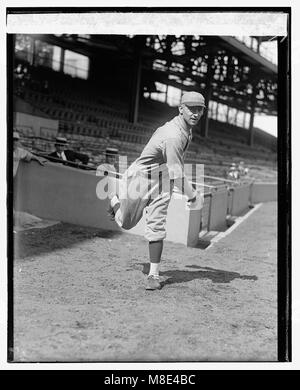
x=88, y=120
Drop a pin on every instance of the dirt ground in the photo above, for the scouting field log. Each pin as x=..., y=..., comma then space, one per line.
x=79, y=296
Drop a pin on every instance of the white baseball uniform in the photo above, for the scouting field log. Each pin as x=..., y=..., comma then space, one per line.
x=147, y=182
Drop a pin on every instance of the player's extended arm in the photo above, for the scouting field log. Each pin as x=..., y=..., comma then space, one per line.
x=28, y=156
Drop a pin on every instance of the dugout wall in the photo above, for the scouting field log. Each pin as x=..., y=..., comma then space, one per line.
x=66, y=194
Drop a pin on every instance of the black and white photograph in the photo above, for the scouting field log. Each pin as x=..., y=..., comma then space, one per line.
x=148, y=189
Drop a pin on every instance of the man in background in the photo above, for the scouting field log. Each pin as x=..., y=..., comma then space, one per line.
x=22, y=154
x=243, y=171
x=233, y=172
x=67, y=156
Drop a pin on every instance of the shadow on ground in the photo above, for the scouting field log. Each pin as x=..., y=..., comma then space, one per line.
x=215, y=275
x=35, y=242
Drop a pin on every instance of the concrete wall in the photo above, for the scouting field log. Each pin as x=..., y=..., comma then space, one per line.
x=240, y=200
x=69, y=195
x=183, y=225
x=263, y=192
x=205, y=212
x=61, y=193
x=218, y=214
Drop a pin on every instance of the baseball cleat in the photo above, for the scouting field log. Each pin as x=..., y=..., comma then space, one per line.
x=153, y=283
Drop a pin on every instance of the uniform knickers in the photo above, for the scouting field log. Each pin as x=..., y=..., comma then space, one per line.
x=147, y=182
x=139, y=190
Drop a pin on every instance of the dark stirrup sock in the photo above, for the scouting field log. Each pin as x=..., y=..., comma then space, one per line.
x=155, y=251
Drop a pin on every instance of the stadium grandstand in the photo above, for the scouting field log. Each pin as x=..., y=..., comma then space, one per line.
x=114, y=91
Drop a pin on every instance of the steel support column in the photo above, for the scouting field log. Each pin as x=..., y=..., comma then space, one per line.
x=62, y=60
x=136, y=82
x=217, y=111
x=252, y=114
x=227, y=114
x=244, y=120
x=207, y=95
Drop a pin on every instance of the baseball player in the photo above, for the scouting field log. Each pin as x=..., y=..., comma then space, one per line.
x=22, y=154
x=149, y=182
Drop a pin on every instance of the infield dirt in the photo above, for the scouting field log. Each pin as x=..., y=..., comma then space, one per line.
x=79, y=296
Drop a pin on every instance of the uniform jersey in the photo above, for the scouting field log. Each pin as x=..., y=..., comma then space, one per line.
x=166, y=147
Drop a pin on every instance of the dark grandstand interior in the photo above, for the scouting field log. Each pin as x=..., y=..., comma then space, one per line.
x=123, y=95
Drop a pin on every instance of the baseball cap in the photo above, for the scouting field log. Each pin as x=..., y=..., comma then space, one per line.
x=193, y=99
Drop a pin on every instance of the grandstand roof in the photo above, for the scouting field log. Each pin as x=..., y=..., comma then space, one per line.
x=233, y=70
